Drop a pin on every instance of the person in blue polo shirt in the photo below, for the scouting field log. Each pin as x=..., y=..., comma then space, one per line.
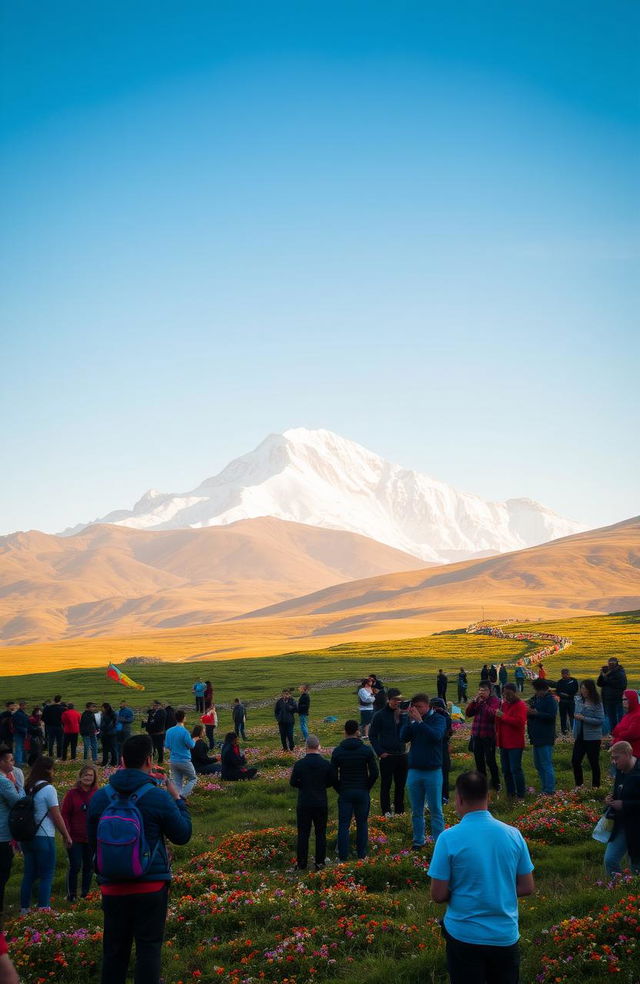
x=479, y=868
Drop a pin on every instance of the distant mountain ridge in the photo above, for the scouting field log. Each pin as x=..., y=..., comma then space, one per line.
x=320, y=479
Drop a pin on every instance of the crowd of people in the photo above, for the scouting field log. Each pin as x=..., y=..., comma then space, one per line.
x=401, y=743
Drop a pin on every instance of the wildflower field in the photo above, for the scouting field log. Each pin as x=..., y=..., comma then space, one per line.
x=240, y=914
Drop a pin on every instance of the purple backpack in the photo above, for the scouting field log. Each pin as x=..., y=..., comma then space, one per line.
x=122, y=851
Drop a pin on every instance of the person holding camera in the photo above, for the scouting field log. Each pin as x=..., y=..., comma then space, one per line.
x=384, y=735
x=613, y=683
x=483, y=709
x=425, y=732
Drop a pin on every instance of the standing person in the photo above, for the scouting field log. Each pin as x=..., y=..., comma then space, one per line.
x=520, y=676
x=480, y=868
x=628, y=727
x=511, y=721
x=20, y=724
x=484, y=673
x=284, y=710
x=156, y=726
x=304, y=705
x=170, y=719
x=52, y=717
x=493, y=679
x=36, y=735
x=179, y=743
x=357, y=770
x=366, y=700
x=88, y=731
x=542, y=673
x=393, y=760
x=210, y=721
x=624, y=804
x=124, y=723
x=438, y=705
x=208, y=695
x=379, y=692
x=483, y=709
x=234, y=763
x=441, y=684
x=6, y=724
x=108, y=724
x=424, y=731
x=566, y=689
x=198, y=689
x=70, y=730
x=40, y=852
x=312, y=776
x=587, y=732
x=503, y=677
x=75, y=808
x=239, y=715
x=541, y=712
x=200, y=754
x=9, y=794
x=136, y=909
x=462, y=685
x=613, y=683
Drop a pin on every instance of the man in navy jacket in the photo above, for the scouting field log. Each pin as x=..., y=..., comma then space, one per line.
x=127, y=915
x=384, y=735
x=311, y=776
x=425, y=732
x=357, y=770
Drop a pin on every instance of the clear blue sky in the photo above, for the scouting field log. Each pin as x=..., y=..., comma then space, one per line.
x=413, y=223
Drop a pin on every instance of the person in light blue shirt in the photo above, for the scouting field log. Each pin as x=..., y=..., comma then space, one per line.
x=479, y=868
x=199, y=689
x=179, y=743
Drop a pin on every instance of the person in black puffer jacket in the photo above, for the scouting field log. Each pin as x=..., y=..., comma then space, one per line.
x=357, y=771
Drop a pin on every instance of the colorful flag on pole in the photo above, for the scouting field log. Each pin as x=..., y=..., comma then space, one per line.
x=115, y=674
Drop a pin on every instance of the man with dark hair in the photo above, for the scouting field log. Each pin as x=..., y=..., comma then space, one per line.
x=541, y=725
x=179, y=743
x=566, y=690
x=311, y=776
x=613, y=683
x=284, y=711
x=304, y=706
x=156, y=726
x=481, y=890
x=239, y=715
x=357, y=771
x=483, y=709
x=52, y=719
x=6, y=724
x=137, y=909
x=425, y=732
x=384, y=735
x=441, y=684
x=88, y=731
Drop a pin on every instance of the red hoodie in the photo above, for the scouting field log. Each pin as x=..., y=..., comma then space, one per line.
x=74, y=812
x=511, y=726
x=71, y=721
x=628, y=728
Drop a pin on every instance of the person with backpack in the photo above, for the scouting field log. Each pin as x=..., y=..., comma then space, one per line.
x=9, y=795
x=134, y=874
x=179, y=743
x=33, y=822
x=75, y=807
x=108, y=724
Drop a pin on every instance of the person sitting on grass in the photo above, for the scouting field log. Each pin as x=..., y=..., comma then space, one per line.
x=234, y=763
x=202, y=763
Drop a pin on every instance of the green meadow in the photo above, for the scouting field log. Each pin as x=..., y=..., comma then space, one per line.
x=240, y=915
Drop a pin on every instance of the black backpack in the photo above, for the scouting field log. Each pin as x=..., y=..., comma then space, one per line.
x=22, y=816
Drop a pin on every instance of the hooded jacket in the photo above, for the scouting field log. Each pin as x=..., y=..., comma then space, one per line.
x=355, y=763
x=511, y=726
x=161, y=814
x=628, y=728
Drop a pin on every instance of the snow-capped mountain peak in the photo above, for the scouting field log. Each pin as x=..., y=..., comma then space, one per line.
x=321, y=479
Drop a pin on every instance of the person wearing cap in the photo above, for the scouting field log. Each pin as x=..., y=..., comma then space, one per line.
x=393, y=760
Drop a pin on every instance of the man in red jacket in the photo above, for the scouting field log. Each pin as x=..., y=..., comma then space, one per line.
x=71, y=729
x=511, y=721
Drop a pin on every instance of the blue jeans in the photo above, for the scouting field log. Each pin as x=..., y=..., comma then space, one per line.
x=543, y=761
x=304, y=725
x=90, y=746
x=616, y=850
x=425, y=787
x=511, y=765
x=353, y=802
x=183, y=772
x=18, y=749
x=39, y=866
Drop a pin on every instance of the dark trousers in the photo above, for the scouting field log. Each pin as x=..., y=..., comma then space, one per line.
x=592, y=750
x=470, y=963
x=462, y=692
x=109, y=756
x=511, y=762
x=128, y=918
x=80, y=857
x=566, y=709
x=393, y=769
x=306, y=816
x=286, y=735
x=238, y=727
x=200, y=704
x=6, y=860
x=211, y=735
x=55, y=737
x=353, y=802
x=484, y=752
x=70, y=741
x=158, y=746
x=613, y=710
